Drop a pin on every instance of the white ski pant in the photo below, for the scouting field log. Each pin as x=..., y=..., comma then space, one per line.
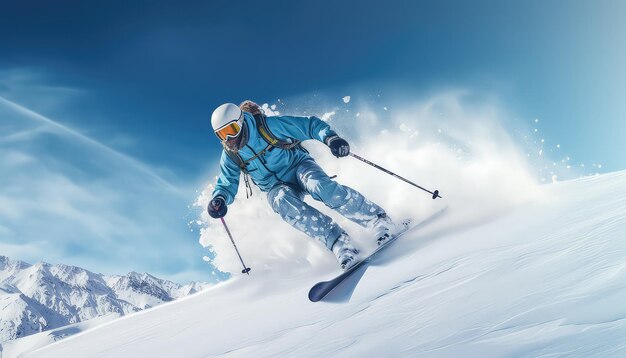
x=288, y=201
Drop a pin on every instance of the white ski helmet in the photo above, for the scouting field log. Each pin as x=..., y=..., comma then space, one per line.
x=227, y=121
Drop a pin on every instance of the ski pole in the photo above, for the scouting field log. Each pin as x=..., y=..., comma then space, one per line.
x=435, y=193
x=245, y=270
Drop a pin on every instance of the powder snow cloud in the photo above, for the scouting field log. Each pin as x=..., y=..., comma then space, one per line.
x=442, y=141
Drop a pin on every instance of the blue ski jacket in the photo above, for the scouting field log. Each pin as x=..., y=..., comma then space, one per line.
x=275, y=166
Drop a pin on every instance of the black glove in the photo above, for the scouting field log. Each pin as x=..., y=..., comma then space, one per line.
x=338, y=146
x=217, y=207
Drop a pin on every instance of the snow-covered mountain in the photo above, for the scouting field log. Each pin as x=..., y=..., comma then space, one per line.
x=35, y=298
x=543, y=278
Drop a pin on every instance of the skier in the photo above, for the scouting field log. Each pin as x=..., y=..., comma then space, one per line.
x=267, y=150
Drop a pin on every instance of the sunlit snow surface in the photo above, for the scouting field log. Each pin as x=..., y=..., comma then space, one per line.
x=26, y=344
x=545, y=278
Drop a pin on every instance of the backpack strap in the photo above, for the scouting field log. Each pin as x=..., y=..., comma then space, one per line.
x=243, y=164
x=237, y=159
x=244, y=169
x=274, y=141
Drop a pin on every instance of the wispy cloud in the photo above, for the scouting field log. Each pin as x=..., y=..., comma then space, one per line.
x=65, y=197
x=88, y=141
x=34, y=88
x=22, y=135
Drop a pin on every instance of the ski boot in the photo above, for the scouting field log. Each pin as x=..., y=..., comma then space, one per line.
x=346, y=253
x=384, y=229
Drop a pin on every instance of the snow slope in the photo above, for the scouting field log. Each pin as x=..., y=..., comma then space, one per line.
x=545, y=277
x=26, y=344
x=36, y=298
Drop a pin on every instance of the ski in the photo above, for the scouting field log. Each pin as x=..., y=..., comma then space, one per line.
x=321, y=289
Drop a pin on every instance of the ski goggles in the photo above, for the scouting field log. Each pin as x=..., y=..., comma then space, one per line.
x=230, y=130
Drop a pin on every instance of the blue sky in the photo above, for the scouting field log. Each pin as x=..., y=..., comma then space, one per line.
x=142, y=78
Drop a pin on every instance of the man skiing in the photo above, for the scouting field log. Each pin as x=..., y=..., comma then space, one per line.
x=267, y=150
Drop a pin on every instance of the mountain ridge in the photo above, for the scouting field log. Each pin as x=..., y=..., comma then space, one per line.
x=42, y=296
